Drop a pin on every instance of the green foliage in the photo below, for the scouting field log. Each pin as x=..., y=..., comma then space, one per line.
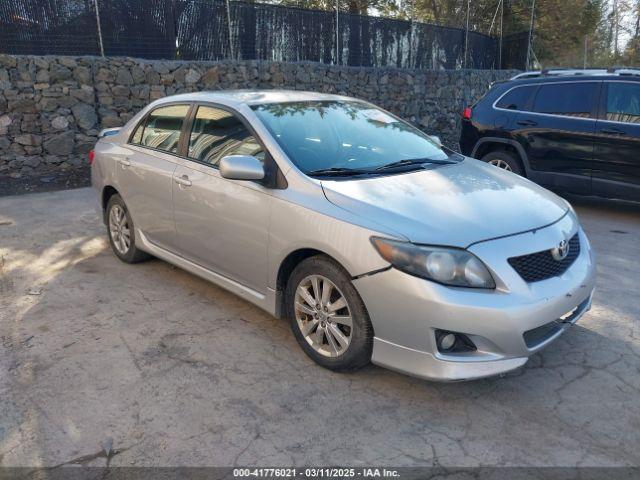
x=561, y=27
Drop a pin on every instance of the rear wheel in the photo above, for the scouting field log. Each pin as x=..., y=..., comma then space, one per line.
x=327, y=316
x=505, y=160
x=121, y=232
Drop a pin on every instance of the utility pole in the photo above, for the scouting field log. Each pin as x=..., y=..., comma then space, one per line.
x=413, y=6
x=499, y=8
x=586, y=37
x=533, y=9
x=95, y=2
x=616, y=26
x=337, y=35
x=233, y=57
x=501, y=34
x=466, y=35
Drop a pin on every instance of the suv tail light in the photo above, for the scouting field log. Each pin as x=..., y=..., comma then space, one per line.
x=466, y=113
x=92, y=155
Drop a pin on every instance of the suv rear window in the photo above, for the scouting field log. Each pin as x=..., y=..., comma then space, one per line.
x=567, y=99
x=516, y=99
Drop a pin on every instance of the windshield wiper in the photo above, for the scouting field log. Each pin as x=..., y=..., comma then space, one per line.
x=338, y=172
x=414, y=161
x=345, y=172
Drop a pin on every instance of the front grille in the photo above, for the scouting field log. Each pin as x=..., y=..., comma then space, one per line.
x=541, y=265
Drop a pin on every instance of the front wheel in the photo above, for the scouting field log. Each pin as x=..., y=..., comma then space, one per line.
x=327, y=316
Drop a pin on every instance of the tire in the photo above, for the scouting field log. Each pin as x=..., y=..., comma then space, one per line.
x=505, y=160
x=124, y=250
x=299, y=313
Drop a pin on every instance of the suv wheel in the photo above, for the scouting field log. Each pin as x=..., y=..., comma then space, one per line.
x=121, y=232
x=505, y=160
x=327, y=316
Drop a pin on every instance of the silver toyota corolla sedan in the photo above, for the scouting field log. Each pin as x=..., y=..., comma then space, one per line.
x=373, y=240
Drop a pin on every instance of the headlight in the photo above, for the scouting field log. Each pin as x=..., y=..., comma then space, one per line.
x=450, y=266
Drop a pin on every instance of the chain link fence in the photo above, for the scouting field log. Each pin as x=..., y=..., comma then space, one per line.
x=219, y=29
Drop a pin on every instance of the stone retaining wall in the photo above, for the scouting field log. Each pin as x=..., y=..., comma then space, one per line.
x=51, y=108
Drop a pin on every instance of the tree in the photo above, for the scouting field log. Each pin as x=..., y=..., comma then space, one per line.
x=631, y=53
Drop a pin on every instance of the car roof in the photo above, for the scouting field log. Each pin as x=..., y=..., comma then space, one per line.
x=569, y=74
x=572, y=78
x=252, y=97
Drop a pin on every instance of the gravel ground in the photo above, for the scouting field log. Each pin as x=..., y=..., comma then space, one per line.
x=158, y=367
x=63, y=180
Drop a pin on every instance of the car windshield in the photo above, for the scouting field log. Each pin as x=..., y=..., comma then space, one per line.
x=341, y=137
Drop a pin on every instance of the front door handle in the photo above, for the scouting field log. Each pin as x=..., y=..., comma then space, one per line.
x=183, y=181
x=125, y=162
x=612, y=131
x=527, y=123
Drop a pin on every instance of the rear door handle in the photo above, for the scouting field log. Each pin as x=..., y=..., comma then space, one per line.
x=183, y=180
x=527, y=123
x=125, y=162
x=612, y=131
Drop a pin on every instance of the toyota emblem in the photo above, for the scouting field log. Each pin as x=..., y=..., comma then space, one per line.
x=560, y=252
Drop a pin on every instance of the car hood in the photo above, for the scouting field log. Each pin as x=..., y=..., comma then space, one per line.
x=454, y=205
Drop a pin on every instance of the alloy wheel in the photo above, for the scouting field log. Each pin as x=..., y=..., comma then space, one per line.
x=500, y=164
x=323, y=316
x=119, y=229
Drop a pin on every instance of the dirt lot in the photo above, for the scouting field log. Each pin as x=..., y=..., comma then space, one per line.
x=62, y=180
x=158, y=367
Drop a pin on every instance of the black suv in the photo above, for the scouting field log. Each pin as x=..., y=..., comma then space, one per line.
x=571, y=130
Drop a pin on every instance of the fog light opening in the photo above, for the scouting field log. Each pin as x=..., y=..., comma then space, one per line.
x=447, y=341
x=452, y=342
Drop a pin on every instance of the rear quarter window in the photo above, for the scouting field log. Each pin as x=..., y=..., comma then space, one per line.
x=516, y=98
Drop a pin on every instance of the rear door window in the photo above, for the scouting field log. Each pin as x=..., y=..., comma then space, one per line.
x=517, y=99
x=162, y=128
x=623, y=102
x=567, y=99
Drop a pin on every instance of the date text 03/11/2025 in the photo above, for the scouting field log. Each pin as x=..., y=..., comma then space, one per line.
x=315, y=473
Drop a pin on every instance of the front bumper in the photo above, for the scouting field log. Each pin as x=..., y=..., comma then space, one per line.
x=405, y=311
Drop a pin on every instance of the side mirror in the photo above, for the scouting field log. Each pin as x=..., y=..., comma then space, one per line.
x=436, y=139
x=241, y=167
